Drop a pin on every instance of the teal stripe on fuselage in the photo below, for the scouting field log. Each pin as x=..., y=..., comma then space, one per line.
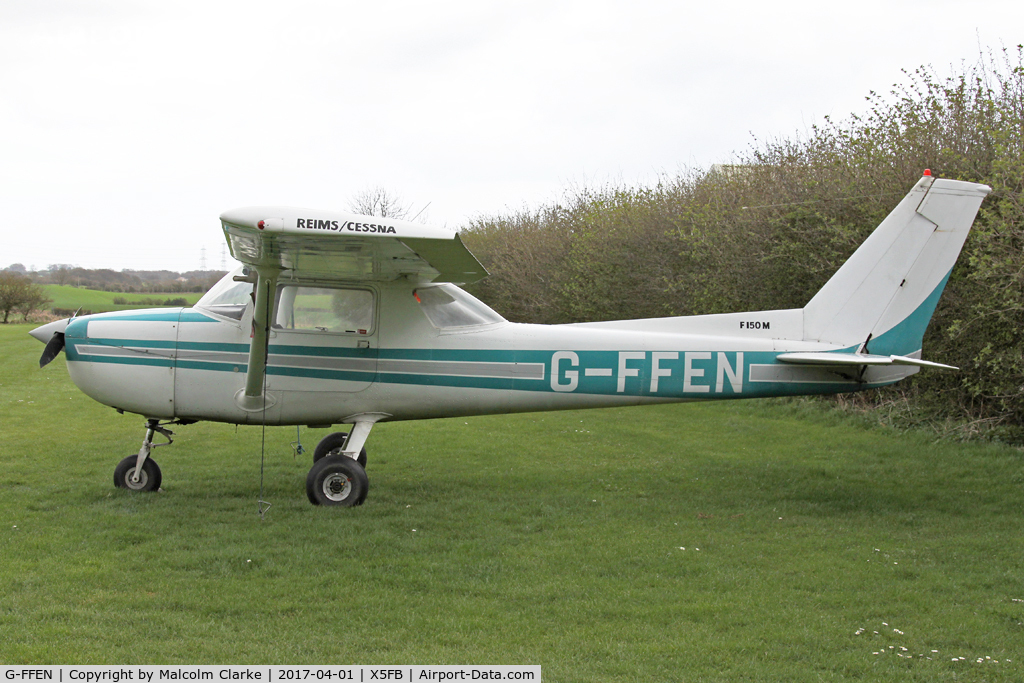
x=321, y=351
x=322, y=373
x=697, y=375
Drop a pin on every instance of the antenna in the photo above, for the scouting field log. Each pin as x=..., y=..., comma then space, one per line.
x=202, y=259
x=420, y=211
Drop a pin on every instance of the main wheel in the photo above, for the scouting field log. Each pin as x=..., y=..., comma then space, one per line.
x=332, y=444
x=149, y=479
x=337, y=480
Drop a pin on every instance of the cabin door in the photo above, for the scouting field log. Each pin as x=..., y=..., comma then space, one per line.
x=323, y=338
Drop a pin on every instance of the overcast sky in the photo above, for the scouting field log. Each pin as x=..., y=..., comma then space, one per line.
x=127, y=127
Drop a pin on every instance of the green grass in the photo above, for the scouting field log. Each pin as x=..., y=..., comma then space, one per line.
x=72, y=298
x=552, y=539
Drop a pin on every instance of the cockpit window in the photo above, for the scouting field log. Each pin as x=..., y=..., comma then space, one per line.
x=324, y=309
x=228, y=298
x=447, y=307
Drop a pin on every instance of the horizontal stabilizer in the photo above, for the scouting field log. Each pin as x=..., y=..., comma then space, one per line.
x=857, y=359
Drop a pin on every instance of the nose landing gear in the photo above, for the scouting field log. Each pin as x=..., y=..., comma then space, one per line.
x=140, y=472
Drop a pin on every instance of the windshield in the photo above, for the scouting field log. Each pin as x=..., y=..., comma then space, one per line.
x=227, y=297
x=447, y=306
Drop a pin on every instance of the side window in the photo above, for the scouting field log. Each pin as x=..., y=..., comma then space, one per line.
x=448, y=307
x=324, y=309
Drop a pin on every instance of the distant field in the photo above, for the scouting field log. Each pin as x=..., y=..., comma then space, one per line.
x=95, y=301
x=742, y=541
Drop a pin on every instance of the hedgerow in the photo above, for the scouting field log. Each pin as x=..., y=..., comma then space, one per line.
x=768, y=231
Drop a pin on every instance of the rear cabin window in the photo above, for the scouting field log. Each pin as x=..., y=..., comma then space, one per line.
x=448, y=307
x=324, y=309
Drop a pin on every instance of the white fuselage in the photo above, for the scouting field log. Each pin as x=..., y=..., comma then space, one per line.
x=192, y=364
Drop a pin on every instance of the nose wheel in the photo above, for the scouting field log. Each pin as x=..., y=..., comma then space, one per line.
x=149, y=477
x=140, y=472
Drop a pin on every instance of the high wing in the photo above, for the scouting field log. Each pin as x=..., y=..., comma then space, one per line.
x=281, y=241
x=339, y=246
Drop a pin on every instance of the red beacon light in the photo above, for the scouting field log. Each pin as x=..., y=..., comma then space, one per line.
x=263, y=224
x=928, y=172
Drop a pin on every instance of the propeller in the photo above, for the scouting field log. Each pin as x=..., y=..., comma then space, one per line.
x=53, y=347
x=53, y=335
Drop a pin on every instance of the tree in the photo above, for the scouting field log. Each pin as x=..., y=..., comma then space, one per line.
x=60, y=273
x=377, y=201
x=35, y=300
x=18, y=292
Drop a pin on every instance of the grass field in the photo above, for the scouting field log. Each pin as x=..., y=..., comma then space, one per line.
x=705, y=542
x=67, y=297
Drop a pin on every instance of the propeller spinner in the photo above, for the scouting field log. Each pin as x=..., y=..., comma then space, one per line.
x=52, y=334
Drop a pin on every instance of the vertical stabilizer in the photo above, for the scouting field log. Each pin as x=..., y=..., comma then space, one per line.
x=886, y=292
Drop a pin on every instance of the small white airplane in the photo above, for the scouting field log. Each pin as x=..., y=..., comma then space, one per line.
x=344, y=319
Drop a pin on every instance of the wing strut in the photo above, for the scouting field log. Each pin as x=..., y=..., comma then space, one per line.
x=252, y=398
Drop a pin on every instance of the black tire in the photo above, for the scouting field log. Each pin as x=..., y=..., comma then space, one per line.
x=149, y=481
x=332, y=444
x=337, y=480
